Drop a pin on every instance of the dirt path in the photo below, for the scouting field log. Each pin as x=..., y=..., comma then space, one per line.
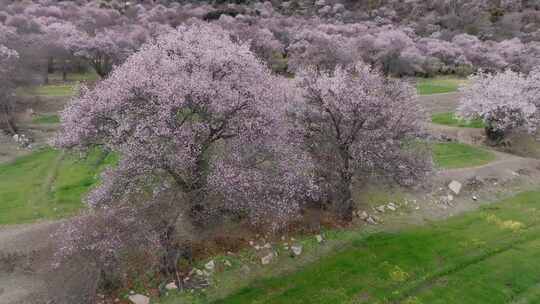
x=25, y=252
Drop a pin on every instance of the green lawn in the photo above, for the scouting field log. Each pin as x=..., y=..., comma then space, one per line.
x=450, y=119
x=457, y=155
x=73, y=77
x=438, y=85
x=487, y=256
x=47, y=184
x=46, y=119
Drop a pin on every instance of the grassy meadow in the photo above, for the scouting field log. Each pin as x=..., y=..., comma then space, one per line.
x=455, y=155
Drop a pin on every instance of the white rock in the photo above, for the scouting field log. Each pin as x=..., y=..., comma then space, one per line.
x=199, y=272
x=475, y=198
x=450, y=197
x=297, y=249
x=265, y=260
x=391, y=207
x=139, y=299
x=210, y=266
x=251, y=243
x=257, y=247
x=227, y=263
x=363, y=215
x=319, y=238
x=380, y=208
x=267, y=245
x=455, y=186
x=171, y=286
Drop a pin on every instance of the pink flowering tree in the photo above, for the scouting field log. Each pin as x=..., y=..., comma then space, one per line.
x=8, y=60
x=354, y=121
x=106, y=48
x=505, y=101
x=196, y=115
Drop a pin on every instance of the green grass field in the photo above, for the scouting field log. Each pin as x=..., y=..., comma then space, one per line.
x=457, y=155
x=449, y=119
x=47, y=184
x=438, y=85
x=486, y=256
x=59, y=88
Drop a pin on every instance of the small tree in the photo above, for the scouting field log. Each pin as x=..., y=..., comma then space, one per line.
x=505, y=101
x=355, y=121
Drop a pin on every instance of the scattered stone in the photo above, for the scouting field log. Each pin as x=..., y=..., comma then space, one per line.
x=131, y=292
x=251, y=243
x=475, y=198
x=171, y=286
x=265, y=260
x=139, y=299
x=297, y=249
x=267, y=245
x=391, y=207
x=227, y=263
x=455, y=186
x=283, y=238
x=319, y=238
x=286, y=247
x=199, y=272
x=210, y=266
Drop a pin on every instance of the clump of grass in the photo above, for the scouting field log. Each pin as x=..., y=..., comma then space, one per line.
x=450, y=119
x=457, y=155
x=46, y=119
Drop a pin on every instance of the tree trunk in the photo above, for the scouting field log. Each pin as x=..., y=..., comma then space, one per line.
x=343, y=197
x=343, y=200
x=11, y=128
x=171, y=256
x=494, y=135
x=64, y=71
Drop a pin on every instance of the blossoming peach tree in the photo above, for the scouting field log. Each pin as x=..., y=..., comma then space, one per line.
x=505, y=101
x=197, y=123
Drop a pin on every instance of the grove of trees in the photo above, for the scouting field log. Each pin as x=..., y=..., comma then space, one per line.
x=255, y=112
